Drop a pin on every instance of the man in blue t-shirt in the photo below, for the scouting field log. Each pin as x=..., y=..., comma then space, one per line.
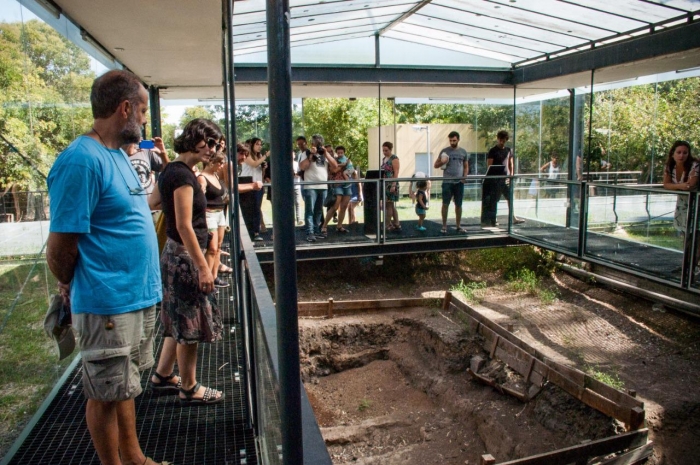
x=103, y=249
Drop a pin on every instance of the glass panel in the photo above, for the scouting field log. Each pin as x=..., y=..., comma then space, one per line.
x=574, y=13
x=270, y=423
x=545, y=205
x=481, y=34
x=298, y=38
x=642, y=11
x=504, y=18
x=397, y=33
x=467, y=44
x=332, y=10
x=420, y=135
x=687, y=5
x=460, y=17
x=635, y=228
x=323, y=23
x=44, y=104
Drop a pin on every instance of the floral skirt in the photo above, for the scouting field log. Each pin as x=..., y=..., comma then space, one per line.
x=188, y=314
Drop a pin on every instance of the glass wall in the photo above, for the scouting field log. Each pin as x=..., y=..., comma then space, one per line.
x=45, y=84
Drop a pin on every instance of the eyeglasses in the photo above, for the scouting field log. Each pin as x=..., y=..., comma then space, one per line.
x=213, y=144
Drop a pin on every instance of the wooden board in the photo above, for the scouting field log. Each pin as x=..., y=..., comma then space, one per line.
x=535, y=367
x=332, y=308
x=634, y=440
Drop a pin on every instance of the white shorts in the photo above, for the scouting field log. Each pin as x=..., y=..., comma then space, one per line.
x=216, y=220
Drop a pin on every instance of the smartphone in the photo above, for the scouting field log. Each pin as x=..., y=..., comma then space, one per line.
x=147, y=144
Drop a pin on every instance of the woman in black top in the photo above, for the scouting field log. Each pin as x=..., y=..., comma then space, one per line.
x=214, y=191
x=188, y=312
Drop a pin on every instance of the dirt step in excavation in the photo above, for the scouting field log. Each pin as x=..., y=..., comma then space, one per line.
x=393, y=387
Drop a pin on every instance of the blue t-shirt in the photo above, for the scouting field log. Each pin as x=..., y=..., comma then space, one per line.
x=117, y=270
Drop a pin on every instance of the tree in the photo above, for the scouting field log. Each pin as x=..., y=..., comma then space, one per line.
x=44, y=100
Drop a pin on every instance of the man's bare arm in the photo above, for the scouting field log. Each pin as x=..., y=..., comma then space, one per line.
x=62, y=255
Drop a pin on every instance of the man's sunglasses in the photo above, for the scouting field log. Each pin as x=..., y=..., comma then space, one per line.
x=213, y=143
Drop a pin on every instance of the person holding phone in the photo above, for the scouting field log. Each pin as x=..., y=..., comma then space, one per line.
x=148, y=157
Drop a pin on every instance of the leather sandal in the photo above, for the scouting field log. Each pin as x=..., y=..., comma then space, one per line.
x=208, y=398
x=164, y=386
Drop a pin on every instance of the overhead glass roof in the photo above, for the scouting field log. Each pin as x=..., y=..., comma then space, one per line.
x=462, y=33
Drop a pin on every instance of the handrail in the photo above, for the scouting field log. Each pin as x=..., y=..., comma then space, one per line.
x=260, y=307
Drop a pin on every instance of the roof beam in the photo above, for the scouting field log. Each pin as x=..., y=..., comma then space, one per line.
x=656, y=44
x=403, y=17
x=372, y=75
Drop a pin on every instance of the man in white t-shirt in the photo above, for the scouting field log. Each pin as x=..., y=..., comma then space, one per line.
x=314, y=162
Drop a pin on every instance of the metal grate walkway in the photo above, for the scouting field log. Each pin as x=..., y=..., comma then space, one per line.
x=216, y=434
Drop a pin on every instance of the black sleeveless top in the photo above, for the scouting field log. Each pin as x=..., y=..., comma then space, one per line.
x=214, y=195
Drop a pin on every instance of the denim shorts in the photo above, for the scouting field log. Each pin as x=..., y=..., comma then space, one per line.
x=452, y=190
x=342, y=190
x=114, y=348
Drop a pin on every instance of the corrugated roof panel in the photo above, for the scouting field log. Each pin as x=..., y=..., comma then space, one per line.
x=641, y=11
x=449, y=46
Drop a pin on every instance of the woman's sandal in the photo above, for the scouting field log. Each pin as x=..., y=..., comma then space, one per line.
x=341, y=230
x=396, y=229
x=164, y=386
x=208, y=398
x=154, y=462
x=223, y=269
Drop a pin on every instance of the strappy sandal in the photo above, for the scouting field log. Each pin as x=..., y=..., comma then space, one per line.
x=223, y=269
x=461, y=230
x=155, y=463
x=443, y=231
x=341, y=230
x=208, y=398
x=163, y=386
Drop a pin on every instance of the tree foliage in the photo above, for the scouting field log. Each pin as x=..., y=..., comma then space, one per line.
x=44, y=100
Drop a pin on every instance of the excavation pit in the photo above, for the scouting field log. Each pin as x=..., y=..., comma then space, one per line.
x=392, y=386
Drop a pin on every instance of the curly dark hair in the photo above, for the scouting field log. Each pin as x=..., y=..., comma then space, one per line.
x=111, y=89
x=671, y=163
x=196, y=131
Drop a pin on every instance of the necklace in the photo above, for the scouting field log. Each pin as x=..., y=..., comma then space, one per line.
x=101, y=139
x=132, y=190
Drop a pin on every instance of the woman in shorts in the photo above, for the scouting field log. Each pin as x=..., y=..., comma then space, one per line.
x=215, y=193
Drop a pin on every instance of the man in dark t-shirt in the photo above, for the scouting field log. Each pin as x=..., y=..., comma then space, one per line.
x=500, y=163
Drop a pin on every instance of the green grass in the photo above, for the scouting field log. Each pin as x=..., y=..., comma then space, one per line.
x=29, y=366
x=526, y=280
x=611, y=379
x=473, y=291
x=364, y=405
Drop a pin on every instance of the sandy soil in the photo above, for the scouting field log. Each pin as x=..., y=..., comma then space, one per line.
x=431, y=412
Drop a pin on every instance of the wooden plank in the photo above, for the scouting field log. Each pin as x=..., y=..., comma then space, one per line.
x=330, y=308
x=494, y=346
x=320, y=309
x=572, y=374
x=487, y=459
x=596, y=448
x=631, y=457
x=446, y=301
x=500, y=330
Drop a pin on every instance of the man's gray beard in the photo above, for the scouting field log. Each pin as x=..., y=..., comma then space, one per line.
x=131, y=134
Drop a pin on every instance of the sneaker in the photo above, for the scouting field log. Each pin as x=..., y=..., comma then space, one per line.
x=310, y=238
x=321, y=235
x=218, y=282
x=421, y=228
x=258, y=238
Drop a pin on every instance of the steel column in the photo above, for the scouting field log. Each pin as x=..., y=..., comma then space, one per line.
x=280, y=97
x=154, y=97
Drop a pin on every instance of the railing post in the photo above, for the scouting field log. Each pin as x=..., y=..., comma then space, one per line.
x=689, y=243
x=582, y=219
